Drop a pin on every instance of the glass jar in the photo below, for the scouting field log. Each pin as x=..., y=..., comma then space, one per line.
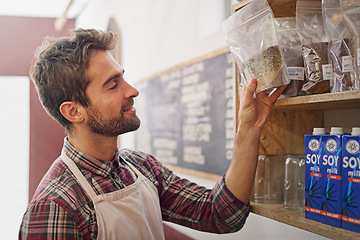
x=301, y=187
x=293, y=182
x=268, y=180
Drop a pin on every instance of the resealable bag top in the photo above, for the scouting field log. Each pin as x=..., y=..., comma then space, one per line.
x=290, y=45
x=250, y=35
x=340, y=50
x=351, y=13
x=318, y=69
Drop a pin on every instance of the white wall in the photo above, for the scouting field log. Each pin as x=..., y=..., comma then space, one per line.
x=14, y=149
x=158, y=34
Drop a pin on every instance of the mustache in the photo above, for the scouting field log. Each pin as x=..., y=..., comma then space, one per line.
x=128, y=105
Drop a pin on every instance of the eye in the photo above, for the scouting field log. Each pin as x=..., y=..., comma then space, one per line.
x=113, y=85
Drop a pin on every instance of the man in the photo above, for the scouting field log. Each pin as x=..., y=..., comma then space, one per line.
x=95, y=191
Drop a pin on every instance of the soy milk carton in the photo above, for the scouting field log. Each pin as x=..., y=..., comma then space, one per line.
x=331, y=177
x=313, y=183
x=351, y=181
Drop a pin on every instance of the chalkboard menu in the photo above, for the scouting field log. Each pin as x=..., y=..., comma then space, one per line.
x=187, y=114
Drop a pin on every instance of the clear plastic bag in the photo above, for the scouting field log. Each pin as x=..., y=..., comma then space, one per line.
x=290, y=44
x=351, y=13
x=318, y=70
x=339, y=49
x=250, y=35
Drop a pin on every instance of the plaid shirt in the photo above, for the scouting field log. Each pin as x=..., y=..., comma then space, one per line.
x=60, y=208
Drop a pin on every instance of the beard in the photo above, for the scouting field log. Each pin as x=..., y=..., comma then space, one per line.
x=114, y=126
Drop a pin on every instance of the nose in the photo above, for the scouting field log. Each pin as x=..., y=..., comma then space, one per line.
x=131, y=92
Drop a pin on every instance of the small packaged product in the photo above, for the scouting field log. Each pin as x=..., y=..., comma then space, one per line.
x=318, y=69
x=351, y=14
x=250, y=35
x=339, y=49
x=290, y=45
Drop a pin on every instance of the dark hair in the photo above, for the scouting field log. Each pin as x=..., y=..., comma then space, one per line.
x=59, y=72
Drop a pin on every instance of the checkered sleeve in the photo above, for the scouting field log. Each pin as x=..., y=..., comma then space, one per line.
x=47, y=220
x=212, y=210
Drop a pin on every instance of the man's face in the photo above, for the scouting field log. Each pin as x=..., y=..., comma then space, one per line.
x=111, y=111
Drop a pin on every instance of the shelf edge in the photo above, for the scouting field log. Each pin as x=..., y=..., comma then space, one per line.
x=349, y=99
x=278, y=213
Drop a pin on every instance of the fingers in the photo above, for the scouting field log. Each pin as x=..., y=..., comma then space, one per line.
x=267, y=99
x=276, y=94
x=249, y=88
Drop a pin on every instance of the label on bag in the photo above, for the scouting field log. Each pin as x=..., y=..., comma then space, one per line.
x=347, y=64
x=296, y=73
x=327, y=70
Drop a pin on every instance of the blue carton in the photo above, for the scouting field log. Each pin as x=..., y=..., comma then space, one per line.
x=351, y=181
x=331, y=167
x=313, y=183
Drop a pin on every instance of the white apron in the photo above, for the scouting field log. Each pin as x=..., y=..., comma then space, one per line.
x=129, y=213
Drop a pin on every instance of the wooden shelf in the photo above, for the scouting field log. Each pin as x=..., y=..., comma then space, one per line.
x=284, y=133
x=278, y=213
x=304, y=112
x=326, y=101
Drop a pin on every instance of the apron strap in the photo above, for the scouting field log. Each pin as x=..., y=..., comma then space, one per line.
x=133, y=168
x=80, y=177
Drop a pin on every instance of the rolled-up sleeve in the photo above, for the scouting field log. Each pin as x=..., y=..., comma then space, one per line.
x=214, y=210
x=232, y=210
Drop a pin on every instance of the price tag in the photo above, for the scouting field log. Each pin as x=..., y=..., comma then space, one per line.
x=346, y=64
x=296, y=73
x=327, y=70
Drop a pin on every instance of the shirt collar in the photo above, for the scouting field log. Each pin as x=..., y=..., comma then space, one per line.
x=99, y=167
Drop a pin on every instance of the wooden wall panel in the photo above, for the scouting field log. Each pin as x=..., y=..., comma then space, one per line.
x=281, y=8
x=285, y=129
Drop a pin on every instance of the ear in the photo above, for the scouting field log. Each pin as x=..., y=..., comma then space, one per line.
x=72, y=111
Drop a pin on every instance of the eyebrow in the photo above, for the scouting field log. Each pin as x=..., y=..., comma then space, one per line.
x=112, y=77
